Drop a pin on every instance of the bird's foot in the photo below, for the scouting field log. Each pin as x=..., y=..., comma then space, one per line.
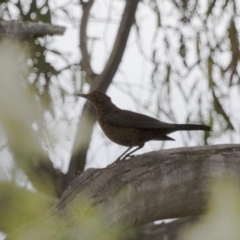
x=77, y=173
x=123, y=159
x=120, y=160
x=116, y=161
x=128, y=157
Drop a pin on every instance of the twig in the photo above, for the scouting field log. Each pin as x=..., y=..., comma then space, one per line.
x=85, y=62
x=24, y=30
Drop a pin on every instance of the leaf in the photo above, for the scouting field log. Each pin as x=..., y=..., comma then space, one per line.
x=219, y=109
x=211, y=82
x=210, y=8
x=198, y=46
x=167, y=78
x=225, y=5
x=233, y=37
x=154, y=55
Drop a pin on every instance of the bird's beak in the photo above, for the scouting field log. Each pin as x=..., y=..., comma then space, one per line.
x=81, y=95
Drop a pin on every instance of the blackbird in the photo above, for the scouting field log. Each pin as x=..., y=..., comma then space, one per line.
x=129, y=128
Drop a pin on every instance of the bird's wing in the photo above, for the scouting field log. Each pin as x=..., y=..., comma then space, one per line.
x=131, y=119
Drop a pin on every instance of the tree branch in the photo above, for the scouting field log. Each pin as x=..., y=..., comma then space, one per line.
x=157, y=185
x=103, y=81
x=24, y=30
x=81, y=145
x=85, y=62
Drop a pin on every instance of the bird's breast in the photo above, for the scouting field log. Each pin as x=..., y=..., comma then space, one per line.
x=126, y=136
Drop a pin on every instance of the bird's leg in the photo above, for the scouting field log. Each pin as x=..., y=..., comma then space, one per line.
x=119, y=158
x=130, y=153
x=127, y=155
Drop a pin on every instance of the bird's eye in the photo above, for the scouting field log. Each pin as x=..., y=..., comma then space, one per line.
x=97, y=98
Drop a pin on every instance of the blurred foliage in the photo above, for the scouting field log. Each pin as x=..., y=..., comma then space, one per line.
x=43, y=68
x=87, y=222
x=222, y=217
x=42, y=77
x=18, y=113
x=91, y=221
x=18, y=206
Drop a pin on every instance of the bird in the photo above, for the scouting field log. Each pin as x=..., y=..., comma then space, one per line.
x=129, y=128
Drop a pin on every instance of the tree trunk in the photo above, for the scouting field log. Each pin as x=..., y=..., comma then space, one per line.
x=157, y=185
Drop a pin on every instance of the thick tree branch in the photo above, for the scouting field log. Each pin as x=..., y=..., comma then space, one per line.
x=158, y=185
x=24, y=30
x=103, y=81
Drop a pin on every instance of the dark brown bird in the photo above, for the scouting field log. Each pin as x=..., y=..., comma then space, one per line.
x=129, y=128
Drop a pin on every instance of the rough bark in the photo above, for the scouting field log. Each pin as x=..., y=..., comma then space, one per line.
x=24, y=30
x=157, y=185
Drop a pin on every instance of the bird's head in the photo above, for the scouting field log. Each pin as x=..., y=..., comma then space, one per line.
x=97, y=98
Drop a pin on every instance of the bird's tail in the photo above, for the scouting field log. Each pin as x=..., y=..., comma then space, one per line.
x=187, y=127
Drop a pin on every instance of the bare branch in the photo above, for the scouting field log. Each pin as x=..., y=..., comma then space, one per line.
x=85, y=62
x=103, y=81
x=81, y=144
x=158, y=185
x=24, y=30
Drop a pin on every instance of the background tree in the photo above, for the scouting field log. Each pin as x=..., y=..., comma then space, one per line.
x=192, y=54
